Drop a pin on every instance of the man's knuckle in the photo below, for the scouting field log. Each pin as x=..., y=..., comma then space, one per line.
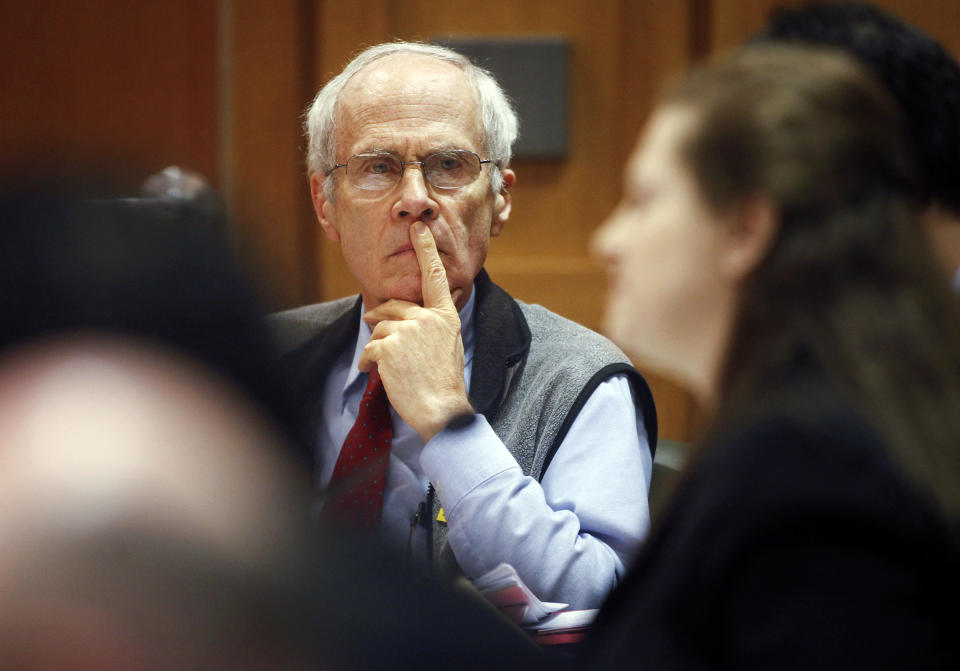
x=435, y=270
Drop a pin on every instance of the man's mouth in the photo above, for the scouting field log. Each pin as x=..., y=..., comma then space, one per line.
x=402, y=249
x=408, y=248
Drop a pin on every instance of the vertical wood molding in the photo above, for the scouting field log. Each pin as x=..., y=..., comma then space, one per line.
x=308, y=227
x=265, y=43
x=701, y=29
x=225, y=48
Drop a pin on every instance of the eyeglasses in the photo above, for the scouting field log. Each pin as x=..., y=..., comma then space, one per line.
x=379, y=171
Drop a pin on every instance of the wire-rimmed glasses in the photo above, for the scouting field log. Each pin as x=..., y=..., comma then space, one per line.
x=379, y=171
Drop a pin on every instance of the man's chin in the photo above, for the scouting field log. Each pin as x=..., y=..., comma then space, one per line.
x=408, y=290
x=410, y=294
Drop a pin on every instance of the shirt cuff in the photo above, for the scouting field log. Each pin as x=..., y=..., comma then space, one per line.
x=457, y=461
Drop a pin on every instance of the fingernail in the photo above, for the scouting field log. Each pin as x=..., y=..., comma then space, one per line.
x=419, y=227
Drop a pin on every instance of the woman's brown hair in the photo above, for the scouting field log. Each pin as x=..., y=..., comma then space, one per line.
x=848, y=280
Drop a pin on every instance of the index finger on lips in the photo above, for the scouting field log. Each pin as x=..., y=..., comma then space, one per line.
x=433, y=276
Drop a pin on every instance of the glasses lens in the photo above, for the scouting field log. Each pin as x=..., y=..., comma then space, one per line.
x=450, y=169
x=374, y=172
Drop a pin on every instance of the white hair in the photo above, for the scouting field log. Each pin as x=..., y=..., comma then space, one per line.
x=497, y=117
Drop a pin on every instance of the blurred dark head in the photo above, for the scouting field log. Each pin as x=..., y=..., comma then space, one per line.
x=919, y=73
x=157, y=269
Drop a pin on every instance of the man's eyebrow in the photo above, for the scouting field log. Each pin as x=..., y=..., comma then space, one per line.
x=378, y=150
x=448, y=147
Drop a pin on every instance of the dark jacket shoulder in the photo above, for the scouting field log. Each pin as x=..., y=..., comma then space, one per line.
x=794, y=541
x=293, y=328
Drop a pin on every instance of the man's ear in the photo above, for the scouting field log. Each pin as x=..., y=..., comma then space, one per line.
x=750, y=233
x=502, y=203
x=323, y=207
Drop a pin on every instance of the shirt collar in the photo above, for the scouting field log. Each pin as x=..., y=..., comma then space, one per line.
x=365, y=332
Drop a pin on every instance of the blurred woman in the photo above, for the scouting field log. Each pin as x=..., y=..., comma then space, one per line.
x=765, y=255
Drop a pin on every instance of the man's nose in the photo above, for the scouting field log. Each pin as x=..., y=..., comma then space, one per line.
x=414, y=200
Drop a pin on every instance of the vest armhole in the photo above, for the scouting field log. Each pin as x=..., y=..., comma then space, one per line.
x=642, y=398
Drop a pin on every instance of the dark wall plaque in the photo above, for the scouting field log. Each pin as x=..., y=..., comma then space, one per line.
x=533, y=71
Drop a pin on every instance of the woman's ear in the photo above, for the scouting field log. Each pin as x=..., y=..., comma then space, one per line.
x=750, y=233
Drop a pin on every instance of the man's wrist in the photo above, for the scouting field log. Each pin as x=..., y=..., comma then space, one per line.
x=461, y=420
x=460, y=414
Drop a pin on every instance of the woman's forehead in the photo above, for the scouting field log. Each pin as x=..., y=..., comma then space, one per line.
x=659, y=144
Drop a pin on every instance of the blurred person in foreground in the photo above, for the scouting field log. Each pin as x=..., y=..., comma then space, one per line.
x=765, y=254
x=506, y=433
x=148, y=521
x=924, y=80
x=150, y=514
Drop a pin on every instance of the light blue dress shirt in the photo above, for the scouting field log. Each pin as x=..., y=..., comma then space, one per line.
x=569, y=536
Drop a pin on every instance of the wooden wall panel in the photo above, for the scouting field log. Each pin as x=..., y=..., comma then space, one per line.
x=109, y=81
x=732, y=22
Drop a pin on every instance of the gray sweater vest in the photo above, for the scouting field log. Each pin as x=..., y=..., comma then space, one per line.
x=532, y=372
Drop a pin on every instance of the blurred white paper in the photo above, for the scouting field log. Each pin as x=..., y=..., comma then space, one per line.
x=568, y=620
x=504, y=589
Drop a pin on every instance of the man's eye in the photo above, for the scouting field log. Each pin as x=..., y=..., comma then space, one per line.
x=447, y=163
x=378, y=167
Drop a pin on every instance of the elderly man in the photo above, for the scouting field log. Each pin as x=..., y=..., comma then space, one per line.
x=546, y=462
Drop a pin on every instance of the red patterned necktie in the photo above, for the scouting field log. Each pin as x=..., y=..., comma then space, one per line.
x=355, y=493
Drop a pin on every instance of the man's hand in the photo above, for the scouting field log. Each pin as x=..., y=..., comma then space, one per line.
x=418, y=350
